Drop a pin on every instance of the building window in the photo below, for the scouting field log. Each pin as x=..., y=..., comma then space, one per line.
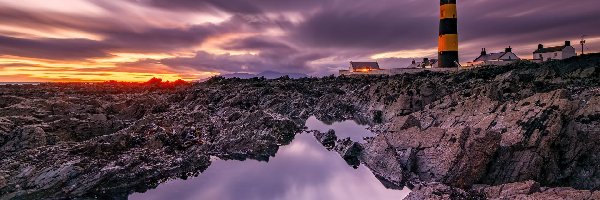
x=555, y=54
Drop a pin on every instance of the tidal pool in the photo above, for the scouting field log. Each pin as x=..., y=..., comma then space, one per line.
x=301, y=170
x=345, y=129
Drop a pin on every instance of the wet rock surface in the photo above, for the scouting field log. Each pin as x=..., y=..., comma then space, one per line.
x=350, y=151
x=327, y=139
x=525, y=131
x=525, y=124
x=439, y=191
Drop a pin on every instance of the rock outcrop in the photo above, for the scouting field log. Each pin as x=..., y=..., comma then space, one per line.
x=327, y=139
x=532, y=123
x=520, y=131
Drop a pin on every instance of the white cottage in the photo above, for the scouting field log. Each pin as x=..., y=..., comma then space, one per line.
x=554, y=53
x=499, y=59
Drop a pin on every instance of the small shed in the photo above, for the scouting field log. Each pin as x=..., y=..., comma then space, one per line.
x=364, y=66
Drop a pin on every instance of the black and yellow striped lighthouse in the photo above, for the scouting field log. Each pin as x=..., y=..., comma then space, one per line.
x=448, y=38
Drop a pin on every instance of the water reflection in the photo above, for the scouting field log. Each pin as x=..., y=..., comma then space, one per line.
x=302, y=170
x=345, y=129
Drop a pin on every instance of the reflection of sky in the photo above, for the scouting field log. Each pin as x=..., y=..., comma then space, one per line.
x=342, y=130
x=302, y=170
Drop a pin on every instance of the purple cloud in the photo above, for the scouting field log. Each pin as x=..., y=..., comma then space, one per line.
x=58, y=49
x=310, y=36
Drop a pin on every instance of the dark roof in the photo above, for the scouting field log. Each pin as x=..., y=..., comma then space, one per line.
x=550, y=49
x=495, y=56
x=364, y=65
x=491, y=56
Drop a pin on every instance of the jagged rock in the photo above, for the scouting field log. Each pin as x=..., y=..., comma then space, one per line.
x=24, y=138
x=2, y=182
x=456, y=156
x=531, y=190
x=6, y=101
x=583, y=73
x=407, y=158
x=439, y=191
x=459, y=136
x=350, y=151
x=562, y=193
x=511, y=190
x=528, y=190
x=385, y=163
x=378, y=116
x=409, y=122
x=327, y=139
x=491, y=125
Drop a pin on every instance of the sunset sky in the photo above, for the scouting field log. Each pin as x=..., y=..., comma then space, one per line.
x=134, y=40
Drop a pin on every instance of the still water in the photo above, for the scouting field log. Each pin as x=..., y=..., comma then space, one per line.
x=345, y=129
x=301, y=170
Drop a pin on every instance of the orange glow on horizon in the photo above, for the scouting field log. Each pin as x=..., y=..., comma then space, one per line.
x=17, y=69
x=84, y=20
x=99, y=76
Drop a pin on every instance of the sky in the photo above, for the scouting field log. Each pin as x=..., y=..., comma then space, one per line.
x=134, y=40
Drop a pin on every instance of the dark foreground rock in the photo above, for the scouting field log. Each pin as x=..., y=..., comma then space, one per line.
x=439, y=191
x=525, y=124
x=328, y=138
x=532, y=190
x=350, y=151
x=459, y=135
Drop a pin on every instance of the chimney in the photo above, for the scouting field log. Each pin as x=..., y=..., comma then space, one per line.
x=540, y=46
x=483, y=52
x=414, y=62
x=567, y=43
x=509, y=49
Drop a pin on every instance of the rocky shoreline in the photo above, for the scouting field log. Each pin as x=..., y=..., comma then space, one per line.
x=526, y=131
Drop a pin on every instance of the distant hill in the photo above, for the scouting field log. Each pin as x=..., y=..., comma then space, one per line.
x=266, y=74
x=239, y=75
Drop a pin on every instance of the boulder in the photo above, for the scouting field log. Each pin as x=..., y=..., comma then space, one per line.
x=350, y=151
x=327, y=139
x=440, y=191
x=385, y=163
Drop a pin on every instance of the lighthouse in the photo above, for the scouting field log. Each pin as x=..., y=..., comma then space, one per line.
x=448, y=37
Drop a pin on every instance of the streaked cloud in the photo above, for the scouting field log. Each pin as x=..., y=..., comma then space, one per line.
x=132, y=39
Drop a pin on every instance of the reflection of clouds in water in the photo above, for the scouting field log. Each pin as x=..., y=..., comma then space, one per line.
x=342, y=130
x=302, y=170
x=302, y=150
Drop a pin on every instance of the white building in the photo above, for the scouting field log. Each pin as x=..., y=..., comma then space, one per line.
x=372, y=68
x=554, y=53
x=499, y=59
